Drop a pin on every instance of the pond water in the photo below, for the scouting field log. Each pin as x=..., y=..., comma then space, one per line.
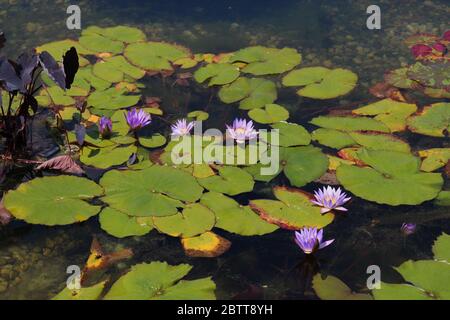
x=34, y=258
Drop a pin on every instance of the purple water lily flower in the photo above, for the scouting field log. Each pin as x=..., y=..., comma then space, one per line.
x=182, y=128
x=330, y=199
x=310, y=240
x=408, y=228
x=105, y=126
x=137, y=119
x=242, y=130
x=421, y=50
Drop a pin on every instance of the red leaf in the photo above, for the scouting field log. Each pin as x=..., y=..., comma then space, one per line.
x=62, y=163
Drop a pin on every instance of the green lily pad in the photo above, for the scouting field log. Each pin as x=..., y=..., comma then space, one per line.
x=155, y=56
x=231, y=181
x=292, y=134
x=321, y=83
x=392, y=178
x=348, y=124
x=107, y=157
x=399, y=78
x=114, y=69
x=153, y=191
x=87, y=293
x=235, y=218
x=443, y=199
x=390, y=291
x=120, y=33
x=379, y=141
x=155, y=280
x=431, y=73
x=392, y=113
x=432, y=121
x=252, y=93
x=441, y=248
x=264, y=61
x=270, y=113
x=155, y=141
x=112, y=99
x=434, y=158
x=293, y=211
x=53, y=201
x=121, y=225
x=331, y=288
x=218, y=73
x=333, y=138
x=194, y=220
x=198, y=115
x=86, y=75
x=206, y=245
x=59, y=97
x=100, y=44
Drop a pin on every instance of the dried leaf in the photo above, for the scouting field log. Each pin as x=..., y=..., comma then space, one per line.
x=62, y=163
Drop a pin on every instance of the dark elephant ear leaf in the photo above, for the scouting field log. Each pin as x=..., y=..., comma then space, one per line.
x=62, y=163
x=53, y=69
x=28, y=102
x=80, y=133
x=71, y=65
x=9, y=77
x=2, y=39
x=26, y=64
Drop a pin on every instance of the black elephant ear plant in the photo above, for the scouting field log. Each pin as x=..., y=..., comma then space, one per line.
x=19, y=82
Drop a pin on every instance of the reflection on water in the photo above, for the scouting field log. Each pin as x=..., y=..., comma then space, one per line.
x=33, y=259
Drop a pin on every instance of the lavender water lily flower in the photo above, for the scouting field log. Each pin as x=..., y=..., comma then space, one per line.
x=242, y=130
x=330, y=199
x=408, y=228
x=310, y=240
x=105, y=126
x=137, y=119
x=182, y=128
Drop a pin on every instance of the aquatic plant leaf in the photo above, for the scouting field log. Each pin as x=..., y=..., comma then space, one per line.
x=252, y=93
x=57, y=49
x=155, y=56
x=231, y=181
x=155, y=141
x=392, y=113
x=149, y=281
x=441, y=248
x=198, y=115
x=153, y=191
x=120, y=33
x=194, y=220
x=112, y=99
x=333, y=138
x=120, y=225
x=390, y=291
x=292, y=134
x=433, y=121
x=434, y=158
x=58, y=200
x=8, y=76
x=86, y=76
x=264, y=61
x=85, y=293
x=59, y=97
x=431, y=73
x=379, y=141
x=218, y=73
x=331, y=288
x=235, y=218
x=71, y=65
x=63, y=163
x=201, y=289
x=186, y=63
x=443, y=199
x=392, y=178
x=206, y=245
x=113, y=69
x=347, y=124
x=99, y=44
x=399, y=78
x=293, y=210
x=270, y=113
x=320, y=82
x=104, y=158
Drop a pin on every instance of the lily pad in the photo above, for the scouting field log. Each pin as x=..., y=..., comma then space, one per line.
x=431, y=73
x=120, y=33
x=53, y=201
x=432, y=121
x=441, y=248
x=100, y=44
x=231, y=181
x=153, y=191
x=292, y=134
x=252, y=93
x=57, y=49
x=235, y=218
x=112, y=99
x=321, y=83
x=270, y=113
x=198, y=115
x=218, y=73
x=391, y=291
x=399, y=78
x=331, y=288
x=152, y=281
x=333, y=138
x=86, y=293
x=434, y=158
x=194, y=220
x=107, y=157
x=114, y=69
x=206, y=245
x=392, y=178
x=264, y=61
x=348, y=124
x=443, y=199
x=293, y=211
x=121, y=225
x=155, y=141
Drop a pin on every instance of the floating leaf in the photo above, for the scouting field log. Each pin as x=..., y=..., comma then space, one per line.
x=263, y=61
x=107, y=157
x=389, y=291
x=293, y=211
x=292, y=134
x=348, y=124
x=333, y=138
x=120, y=33
x=443, y=199
x=331, y=288
x=198, y=115
x=53, y=201
x=121, y=225
x=194, y=220
x=379, y=141
x=206, y=245
x=441, y=248
x=219, y=73
x=63, y=163
x=431, y=73
x=393, y=178
x=432, y=121
x=231, y=181
x=321, y=83
x=153, y=191
x=58, y=48
x=151, y=281
x=252, y=93
x=233, y=217
x=270, y=113
x=155, y=141
x=201, y=289
x=112, y=99
x=434, y=158
x=113, y=69
x=399, y=78
x=87, y=293
x=100, y=44
x=392, y=113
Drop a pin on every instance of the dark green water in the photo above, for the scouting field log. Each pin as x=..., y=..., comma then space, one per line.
x=33, y=259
